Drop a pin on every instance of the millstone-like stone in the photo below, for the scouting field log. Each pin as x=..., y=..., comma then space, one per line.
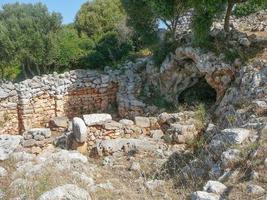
x=79, y=130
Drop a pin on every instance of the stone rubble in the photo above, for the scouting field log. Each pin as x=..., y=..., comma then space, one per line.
x=126, y=140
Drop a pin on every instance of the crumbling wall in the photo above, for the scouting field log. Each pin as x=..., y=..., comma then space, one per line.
x=8, y=109
x=33, y=102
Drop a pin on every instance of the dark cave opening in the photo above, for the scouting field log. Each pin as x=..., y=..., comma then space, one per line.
x=201, y=92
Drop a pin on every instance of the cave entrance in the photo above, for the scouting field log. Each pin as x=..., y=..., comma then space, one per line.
x=201, y=92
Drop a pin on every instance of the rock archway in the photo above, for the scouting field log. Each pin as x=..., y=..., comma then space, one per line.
x=187, y=67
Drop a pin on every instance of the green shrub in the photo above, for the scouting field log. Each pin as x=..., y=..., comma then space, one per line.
x=249, y=7
x=231, y=55
x=152, y=96
x=109, y=50
x=161, y=50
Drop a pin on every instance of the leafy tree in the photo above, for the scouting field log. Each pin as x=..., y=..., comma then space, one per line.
x=70, y=48
x=6, y=51
x=169, y=12
x=30, y=30
x=142, y=19
x=146, y=15
x=98, y=17
x=205, y=12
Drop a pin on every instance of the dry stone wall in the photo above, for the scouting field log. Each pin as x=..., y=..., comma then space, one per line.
x=34, y=102
x=8, y=108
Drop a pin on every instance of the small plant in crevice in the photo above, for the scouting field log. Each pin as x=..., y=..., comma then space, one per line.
x=231, y=119
x=201, y=116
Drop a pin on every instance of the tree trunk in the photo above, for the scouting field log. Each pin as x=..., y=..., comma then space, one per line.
x=228, y=15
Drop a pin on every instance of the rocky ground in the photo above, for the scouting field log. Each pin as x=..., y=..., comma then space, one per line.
x=221, y=154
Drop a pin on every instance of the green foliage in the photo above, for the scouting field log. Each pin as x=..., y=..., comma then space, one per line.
x=249, y=7
x=162, y=50
x=206, y=11
x=152, y=96
x=98, y=17
x=201, y=113
x=142, y=19
x=27, y=36
x=231, y=55
x=109, y=50
x=70, y=48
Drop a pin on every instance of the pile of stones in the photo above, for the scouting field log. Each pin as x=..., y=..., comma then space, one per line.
x=37, y=139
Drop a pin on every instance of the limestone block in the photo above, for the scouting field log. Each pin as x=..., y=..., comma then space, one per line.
x=96, y=119
x=142, y=122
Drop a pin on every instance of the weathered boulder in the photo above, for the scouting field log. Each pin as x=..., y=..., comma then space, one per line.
x=96, y=119
x=226, y=138
x=230, y=157
x=69, y=191
x=156, y=134
x=142, y=122
x=234, y=135
x=215, y=187
x=8, y=144
x=200, y=195
x=79, y=129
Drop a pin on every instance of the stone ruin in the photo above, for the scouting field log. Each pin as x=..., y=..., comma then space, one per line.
x=67, y=103
x=33, y=102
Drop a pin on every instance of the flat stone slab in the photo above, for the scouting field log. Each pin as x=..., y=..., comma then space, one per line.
x=96, y=119
x=120, y=144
